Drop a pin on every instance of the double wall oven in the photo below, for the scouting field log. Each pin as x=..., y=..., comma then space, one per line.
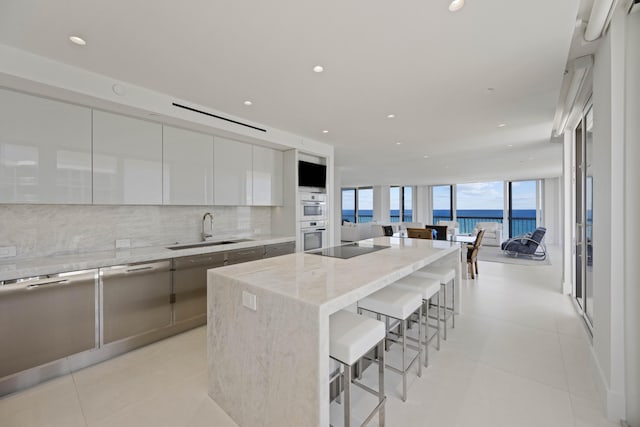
x=313, y=221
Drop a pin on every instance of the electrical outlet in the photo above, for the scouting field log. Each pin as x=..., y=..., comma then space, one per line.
x=249, y=300
x=123, y=243
x=7, y=251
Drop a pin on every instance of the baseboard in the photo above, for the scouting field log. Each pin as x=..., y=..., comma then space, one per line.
x=612, y=401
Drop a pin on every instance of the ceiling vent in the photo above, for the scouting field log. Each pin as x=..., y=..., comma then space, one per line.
x=195, y=110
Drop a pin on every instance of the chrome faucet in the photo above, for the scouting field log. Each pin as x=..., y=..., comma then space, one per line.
x=208, y=235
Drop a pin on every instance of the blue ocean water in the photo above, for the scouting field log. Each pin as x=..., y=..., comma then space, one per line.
x=473, y=213
x=523, y=221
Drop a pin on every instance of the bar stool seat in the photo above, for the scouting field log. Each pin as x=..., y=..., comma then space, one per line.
x=445, y=275
x=399, y=304
x=396, y=303
x=351, y=336
x=429, y=288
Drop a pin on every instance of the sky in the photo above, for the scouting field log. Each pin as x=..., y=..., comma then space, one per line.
x=479, y=195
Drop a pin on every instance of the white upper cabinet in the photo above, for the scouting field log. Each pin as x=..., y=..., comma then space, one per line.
x=45, y=150
x=267, y=176
x=127, y=160
x=232, y=173
x=187, y=167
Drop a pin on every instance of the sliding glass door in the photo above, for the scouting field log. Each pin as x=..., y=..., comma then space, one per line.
x=583, y=269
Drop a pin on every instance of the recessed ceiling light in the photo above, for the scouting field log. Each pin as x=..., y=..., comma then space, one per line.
x=510, y=145
x=398, y=143
x=426, y=156
x=78, y=40
x=456, y=5
x=491, y=89
x=391, y=116
x=318, y=69
x=325, y=131
x=248, y=103
x=501, y=125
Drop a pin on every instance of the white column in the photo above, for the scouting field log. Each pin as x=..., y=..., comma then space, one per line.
x=381, y=201
x=422, y=204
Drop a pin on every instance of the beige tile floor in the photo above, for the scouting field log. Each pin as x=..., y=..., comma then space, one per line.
x=517, y=357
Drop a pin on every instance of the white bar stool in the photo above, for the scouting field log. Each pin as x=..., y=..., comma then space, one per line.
x=429, y=288
x=351, y=336
x=445, y=275
x=398, y=304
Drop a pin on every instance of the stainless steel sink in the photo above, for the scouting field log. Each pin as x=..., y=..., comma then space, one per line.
x=205, y=244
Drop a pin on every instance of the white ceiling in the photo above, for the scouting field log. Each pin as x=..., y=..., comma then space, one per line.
x=413, y=58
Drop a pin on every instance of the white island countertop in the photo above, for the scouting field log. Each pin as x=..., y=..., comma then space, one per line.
x=269, y=366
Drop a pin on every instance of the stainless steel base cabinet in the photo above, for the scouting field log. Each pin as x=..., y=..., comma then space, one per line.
x=278, y=249
x=46, y=319
x=245, y=255
x=190, y=285
x=136, y=298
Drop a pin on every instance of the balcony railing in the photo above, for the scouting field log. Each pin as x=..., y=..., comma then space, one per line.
x=519, y=226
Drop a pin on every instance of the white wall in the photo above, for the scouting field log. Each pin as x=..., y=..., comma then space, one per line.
x=551, y=210
x=631, y=224
x=610, y=232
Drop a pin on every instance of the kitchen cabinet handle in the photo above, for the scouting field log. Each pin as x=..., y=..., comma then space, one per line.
x=57, y=282
x=133, y=270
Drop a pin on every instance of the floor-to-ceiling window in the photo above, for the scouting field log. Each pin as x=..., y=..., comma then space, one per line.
x=523, y=197
x=357, y=204
x=400, y=204
x=407, y=204
x=349, y=205
x=442, y=203
x=365, y=204
x=479, y=202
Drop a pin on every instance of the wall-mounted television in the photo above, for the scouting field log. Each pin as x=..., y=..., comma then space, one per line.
x=312, y=175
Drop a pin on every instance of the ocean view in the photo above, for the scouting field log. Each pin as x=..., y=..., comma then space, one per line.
x=523, y=221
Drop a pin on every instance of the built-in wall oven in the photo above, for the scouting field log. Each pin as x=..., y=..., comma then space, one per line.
x=313, y=206
x=313, y=234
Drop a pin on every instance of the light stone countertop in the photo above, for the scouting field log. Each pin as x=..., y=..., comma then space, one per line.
x=14, y=268
x=335, y=283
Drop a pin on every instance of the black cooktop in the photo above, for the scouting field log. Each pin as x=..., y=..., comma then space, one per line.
x=348, y=251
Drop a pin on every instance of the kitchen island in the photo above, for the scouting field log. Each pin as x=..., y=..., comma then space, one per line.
x=268, y=357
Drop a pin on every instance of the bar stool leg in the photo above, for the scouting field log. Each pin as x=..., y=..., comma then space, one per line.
x=453, y=303
x=426, y=336
x=444, y=297
x=438, y=322
x=381, y=414
x=347, y=395
x=419, y=342
x=403, y=326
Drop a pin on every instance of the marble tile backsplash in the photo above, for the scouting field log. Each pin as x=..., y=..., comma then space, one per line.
x=42, y=230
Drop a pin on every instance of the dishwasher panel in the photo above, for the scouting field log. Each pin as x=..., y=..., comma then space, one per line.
x=190, y=284
x=46, y=319
x=135, y=299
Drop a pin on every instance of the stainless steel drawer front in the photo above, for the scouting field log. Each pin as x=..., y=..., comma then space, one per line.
x=190, y=284
x=43, y=320
x=245, y=255
x=135, y=299
x=278, y=249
